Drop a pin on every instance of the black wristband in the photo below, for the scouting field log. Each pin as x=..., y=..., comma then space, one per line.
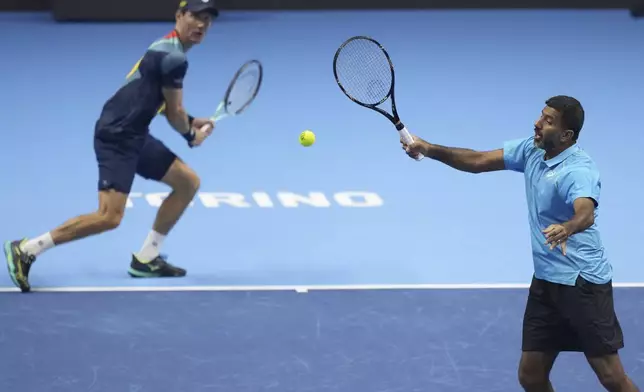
x=190, y=135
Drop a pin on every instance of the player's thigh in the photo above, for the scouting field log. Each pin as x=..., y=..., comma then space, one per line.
x=111, y=206
x=535, y=366
x=590, y=308
x=117, y=160
x=182, y=178
x=545, y=328
x=155, y=160
x=159, y=163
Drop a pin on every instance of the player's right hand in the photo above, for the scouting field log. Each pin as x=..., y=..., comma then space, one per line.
x=203, y=128
x=418, y=146
x=200, y=136
x=205, y=124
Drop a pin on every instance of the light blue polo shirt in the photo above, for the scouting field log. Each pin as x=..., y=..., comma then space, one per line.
x=551, y=188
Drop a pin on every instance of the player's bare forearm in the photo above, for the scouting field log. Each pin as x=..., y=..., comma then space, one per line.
x=465, y=159
x=583, y=218
x=179, y=121
x=174, y=110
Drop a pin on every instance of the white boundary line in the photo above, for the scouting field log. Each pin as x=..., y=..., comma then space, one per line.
x=296, y=288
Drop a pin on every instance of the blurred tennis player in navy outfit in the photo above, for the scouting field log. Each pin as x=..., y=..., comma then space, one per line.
x=570, y=302
x=124, y=147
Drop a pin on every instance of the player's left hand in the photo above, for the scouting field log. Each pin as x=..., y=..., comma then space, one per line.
x=556, y=235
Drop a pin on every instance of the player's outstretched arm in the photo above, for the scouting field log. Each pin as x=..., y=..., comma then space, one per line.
x=462, y=159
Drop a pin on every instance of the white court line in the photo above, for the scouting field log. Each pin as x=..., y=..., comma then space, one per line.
x=296, y=288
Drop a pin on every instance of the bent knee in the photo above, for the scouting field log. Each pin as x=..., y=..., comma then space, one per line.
x=185, y=180
x=530, y=379
x=110, y=220
x=193, y=182
x=111, y=210
x=534, y=372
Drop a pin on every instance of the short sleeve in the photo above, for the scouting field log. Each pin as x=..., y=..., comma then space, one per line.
x=579, y=183
x=515, y=153
x=174, y=66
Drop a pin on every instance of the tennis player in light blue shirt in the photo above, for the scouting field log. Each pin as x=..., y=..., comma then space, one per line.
x=552, y=186
x=570, y=301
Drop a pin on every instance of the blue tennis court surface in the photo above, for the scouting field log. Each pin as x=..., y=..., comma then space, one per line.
x=344, y=267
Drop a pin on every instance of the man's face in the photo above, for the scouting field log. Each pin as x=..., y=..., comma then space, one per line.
x=193, y=27
x=549, y=132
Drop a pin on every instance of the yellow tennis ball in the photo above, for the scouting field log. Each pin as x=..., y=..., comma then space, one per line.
x=307, y=138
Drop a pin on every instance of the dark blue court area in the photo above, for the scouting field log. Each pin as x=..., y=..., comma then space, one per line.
x=341, y=341
x=342, y=267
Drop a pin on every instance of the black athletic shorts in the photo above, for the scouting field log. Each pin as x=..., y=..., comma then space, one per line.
x=121, y=157
x=571, y=318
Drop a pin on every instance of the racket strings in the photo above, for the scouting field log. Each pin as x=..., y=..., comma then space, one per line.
x=364, y=72
x=243, y=89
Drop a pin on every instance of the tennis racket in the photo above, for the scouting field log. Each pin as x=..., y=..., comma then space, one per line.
x=364, y=72
x=241, y=92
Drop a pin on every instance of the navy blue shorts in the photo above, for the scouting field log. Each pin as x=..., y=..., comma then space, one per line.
x=571, y=318
x=121, y=158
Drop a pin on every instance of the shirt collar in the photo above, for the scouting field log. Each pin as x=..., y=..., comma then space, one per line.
x=562, y=156
x=174, y=34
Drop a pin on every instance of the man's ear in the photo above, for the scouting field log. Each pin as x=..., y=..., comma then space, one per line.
x=568, y=134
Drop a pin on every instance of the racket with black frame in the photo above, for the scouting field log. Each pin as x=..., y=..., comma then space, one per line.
x=365, y=73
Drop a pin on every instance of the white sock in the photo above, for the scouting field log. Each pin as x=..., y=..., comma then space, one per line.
x=151, y=246
x=38, y=245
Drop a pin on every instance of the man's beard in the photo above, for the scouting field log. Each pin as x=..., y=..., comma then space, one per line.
x=545, y=145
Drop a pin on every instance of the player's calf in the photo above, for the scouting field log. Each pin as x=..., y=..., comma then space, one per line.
x=22, y=254
x=184, y=182
x=611, y=373
x=108, y=217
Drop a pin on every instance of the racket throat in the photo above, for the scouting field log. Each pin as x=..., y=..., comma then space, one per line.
x=399, y=126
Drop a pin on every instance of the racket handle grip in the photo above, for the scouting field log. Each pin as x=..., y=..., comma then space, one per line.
x=408, y=140
x=203, y=129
